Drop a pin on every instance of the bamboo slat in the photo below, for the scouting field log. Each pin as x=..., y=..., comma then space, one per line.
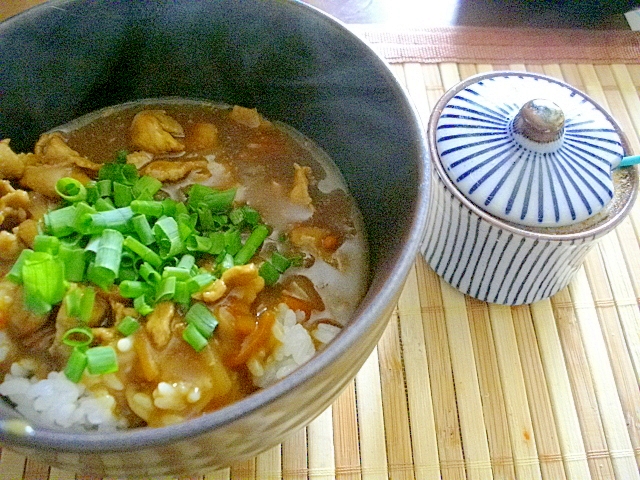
x=421, y=415
x=523, y=440
x=458, y=389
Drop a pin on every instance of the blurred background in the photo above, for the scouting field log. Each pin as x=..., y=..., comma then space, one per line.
x=598, y=14
x=590, y=14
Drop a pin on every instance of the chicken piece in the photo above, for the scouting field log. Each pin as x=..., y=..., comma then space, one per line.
x=139, y=159
x=13, y=205
x=13, y=313
x=10, y=246
x=154, y=131
x=52, y=149
x=212, y=293
x=248, y=117
x=11, y=164
x=120, y=311
x=317, y=241
x=159, y=323
x=300, y=192
x=43, y=178
x=39, y=205
x=202, y=136
x=167, y=171
x=27, y=232
x=243, y=282
x=103, y=336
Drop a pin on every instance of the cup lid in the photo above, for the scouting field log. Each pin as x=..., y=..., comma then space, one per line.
x=529, y=149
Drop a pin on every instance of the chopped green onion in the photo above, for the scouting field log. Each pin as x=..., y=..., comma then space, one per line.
x=166, y=289
x=75, y=365
x=92, y=192
x=251, y=246
x=106, y=265
x=43, y=280
x=169, y=207
x=129, y=273
x=143, y=229
x=197, y=243
x=121, y=156
x=74, y=260
x=15, y=274
x=146, y=186
x=46, y=243
x=205, y=218
x=182, y=295
x=151, y=208
x=200, y=281
x=128, y=325
x=187, y=261
x=217, y=243
x=180, y=209
x=227, y=262
x=280, y=262
x=134, y=288
x=71, y=190
x=186, y=225
x=78, y=337
x=61, y=222
x=168, y=237
x=141, y=305
x=117, y=219
x=126, y=174
x=79, y=302
x=101, y=360
x=232, y=241
x=104, y=204
x=214, y=200
x=193, y=337
x=149, y=274
x=269, y=273
x=202, y=318
x=143, y=251
x=251, y=216
x=86, y=304
x=177, y=272
x=122, y=194
x=104, y=188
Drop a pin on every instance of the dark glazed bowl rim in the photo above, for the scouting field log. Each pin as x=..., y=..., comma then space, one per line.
x=381, y=293
x=594, y=231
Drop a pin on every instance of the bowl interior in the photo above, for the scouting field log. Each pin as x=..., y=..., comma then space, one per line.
x=64, y=59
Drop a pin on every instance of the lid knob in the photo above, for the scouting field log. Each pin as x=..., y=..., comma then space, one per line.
x=540, y=121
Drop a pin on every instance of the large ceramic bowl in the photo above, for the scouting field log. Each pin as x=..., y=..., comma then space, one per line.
x=67, y=58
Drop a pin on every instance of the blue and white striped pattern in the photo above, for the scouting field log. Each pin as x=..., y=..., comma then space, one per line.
x=494, y=264
x=515, y=179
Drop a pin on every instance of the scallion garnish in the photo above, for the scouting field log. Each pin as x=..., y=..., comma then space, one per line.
x=78, y=337
x=101, y=360
x=193, y=337
x=43, y=281
x=255, y=240
x=168, y=237
x=71, y=190
x=75, y=365
x=128, y=325
x=202, y=318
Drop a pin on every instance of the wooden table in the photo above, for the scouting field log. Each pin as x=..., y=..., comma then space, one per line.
x=459, y=388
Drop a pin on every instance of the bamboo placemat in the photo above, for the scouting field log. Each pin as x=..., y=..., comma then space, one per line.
x=461, y=389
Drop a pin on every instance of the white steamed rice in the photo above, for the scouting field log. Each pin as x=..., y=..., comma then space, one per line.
x=296, y=347
x=57, y=402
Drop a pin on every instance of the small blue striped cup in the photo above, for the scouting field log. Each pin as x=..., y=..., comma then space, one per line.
x=526, y=179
